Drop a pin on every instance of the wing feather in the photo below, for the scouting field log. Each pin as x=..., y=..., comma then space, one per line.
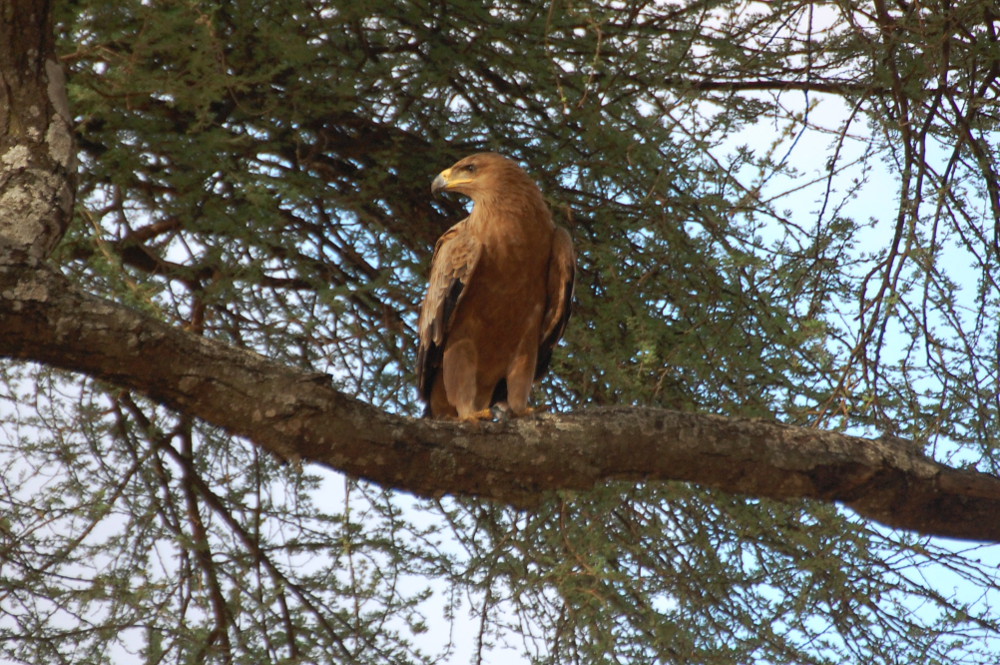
x=559, y=297
x=456, y=255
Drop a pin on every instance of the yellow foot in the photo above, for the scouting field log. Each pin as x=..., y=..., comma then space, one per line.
x=476, y=416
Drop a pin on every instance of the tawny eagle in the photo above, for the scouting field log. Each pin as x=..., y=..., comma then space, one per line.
x=499, y=295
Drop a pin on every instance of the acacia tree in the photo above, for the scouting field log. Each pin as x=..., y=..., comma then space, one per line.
x=232, y=302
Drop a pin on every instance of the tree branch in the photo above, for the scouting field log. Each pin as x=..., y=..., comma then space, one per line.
x=299, y=416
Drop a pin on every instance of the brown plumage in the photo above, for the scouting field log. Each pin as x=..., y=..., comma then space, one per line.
x=499, y=294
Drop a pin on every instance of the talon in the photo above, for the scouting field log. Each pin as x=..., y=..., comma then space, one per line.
x=476, y=416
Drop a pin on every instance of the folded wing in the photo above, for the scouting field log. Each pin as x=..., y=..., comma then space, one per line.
x=456, y=255
x=559, y=297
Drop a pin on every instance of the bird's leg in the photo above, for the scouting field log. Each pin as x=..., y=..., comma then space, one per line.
x=458, y=369
x=520, y=376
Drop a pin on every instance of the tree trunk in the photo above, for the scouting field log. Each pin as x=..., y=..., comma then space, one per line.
x=37, y=157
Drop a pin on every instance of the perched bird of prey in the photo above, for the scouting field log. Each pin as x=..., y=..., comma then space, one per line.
x=499, y=294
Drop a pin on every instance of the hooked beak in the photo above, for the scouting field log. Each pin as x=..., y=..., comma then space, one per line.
x=440, y=182
x=448, y=181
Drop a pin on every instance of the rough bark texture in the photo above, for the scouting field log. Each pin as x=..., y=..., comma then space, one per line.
x=37, y=158
x=299, y=416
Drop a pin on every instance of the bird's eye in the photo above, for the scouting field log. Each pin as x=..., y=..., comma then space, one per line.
x=471, y=168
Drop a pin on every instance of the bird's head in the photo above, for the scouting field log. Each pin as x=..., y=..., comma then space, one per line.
x=480, y=175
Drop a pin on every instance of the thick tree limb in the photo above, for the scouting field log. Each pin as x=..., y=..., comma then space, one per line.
x=299, y=416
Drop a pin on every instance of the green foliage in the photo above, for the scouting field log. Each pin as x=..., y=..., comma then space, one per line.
x=782, y=209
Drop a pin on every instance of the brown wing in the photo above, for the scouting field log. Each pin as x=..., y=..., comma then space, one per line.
x=455, y=257
x=559, y=297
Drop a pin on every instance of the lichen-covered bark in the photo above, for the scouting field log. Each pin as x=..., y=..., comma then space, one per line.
x=299, y=416
x=37, y=159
